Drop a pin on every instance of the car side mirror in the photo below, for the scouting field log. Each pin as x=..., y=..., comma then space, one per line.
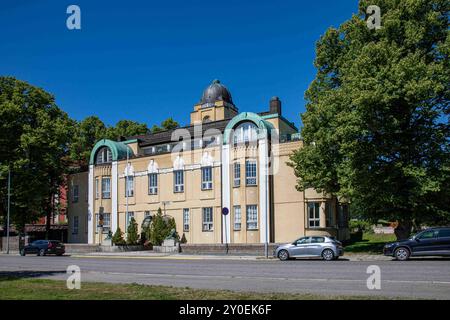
x=417, y=239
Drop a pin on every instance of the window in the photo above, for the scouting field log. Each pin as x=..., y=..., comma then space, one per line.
x=428, y=235
x=106, y=222
x=444, y=233
x=237, y=217
x=185, y=220
x=75, y=225
x=153, y=183
x=313, y=214
x=106, y=187
x=129, y=186
x=178, y=178
x=97, y=192
x=207, y=219
x=129, y=215
x=104, y=155
x=245, y=133
x=206, y=178
x=103, y=220
x=303, y=240
x=237, y=174
x=75, y=193
x=146, y=214
x=317, y=239
x=252, y=217
x=250, y=172
x=329, y=212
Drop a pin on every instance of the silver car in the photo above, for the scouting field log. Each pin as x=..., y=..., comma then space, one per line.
x=308, y=247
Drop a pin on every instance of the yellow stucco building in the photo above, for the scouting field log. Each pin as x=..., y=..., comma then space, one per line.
x=223, y=159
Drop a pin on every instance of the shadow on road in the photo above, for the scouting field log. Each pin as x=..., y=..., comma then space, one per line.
x=15, y=275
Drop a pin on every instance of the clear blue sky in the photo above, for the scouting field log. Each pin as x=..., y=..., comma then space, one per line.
x=148, y=60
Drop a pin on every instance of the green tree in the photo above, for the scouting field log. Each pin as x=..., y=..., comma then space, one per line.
x=376, y=127
x=126, y=128
x=117, y=238
x=158, y=229
x=168, y=124
x=87, y=133
x=132, y=232
x=34, y=143
x=161, y=227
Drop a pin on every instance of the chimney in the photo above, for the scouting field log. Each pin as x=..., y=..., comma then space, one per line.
x=275, y=105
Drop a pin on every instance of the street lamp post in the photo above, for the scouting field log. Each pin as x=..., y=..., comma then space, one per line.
x=9, y=207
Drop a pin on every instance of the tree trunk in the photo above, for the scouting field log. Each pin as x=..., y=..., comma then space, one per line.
x=403, y=230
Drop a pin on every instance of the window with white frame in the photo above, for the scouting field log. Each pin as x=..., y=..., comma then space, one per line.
x=237, y=174
x=75, y=225
x=245, y=132
x=313, y=214
x=237, y=217
x=250, y=172
x=152, y=183
x=129, y=216
x=178, y=180
x=103, y=220
x=106, y=222
x=252, y=217
x=146, y=213
x=106, y=187
x=206, y=178
x=129, y=186
x=104, y=155
x=97, y=192
x=207, y=219
x=185, y=220
x=75, y=193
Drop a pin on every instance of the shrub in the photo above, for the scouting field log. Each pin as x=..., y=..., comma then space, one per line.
x=117, y=238
x=360, y=226
x=183, y=239
x=160, y=228
x=132, y=232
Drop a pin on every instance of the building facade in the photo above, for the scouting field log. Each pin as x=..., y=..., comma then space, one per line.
x=223, y=159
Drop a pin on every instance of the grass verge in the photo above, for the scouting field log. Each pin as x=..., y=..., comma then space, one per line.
x=371, y=243
x=12, y=288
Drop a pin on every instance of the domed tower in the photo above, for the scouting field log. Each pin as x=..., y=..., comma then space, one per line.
x=216, y=104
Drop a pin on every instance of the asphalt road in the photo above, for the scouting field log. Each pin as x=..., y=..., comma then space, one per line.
x=424, y=278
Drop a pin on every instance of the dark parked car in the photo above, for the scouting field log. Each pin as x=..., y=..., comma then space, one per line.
x=43, y=247
x=430, y=242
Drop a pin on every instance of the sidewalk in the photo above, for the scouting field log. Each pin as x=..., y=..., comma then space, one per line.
x=181, y=256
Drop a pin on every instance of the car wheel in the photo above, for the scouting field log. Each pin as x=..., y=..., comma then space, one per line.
x=41, y=252
x=402, y=254
x=22, y=252
x=283, y=255
x=328, y=255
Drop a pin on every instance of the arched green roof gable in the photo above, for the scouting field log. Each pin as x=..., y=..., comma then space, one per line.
x=264, y=126
x=118, y=150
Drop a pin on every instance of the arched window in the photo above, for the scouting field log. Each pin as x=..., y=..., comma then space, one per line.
x=104, y=155
x=245, y=132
